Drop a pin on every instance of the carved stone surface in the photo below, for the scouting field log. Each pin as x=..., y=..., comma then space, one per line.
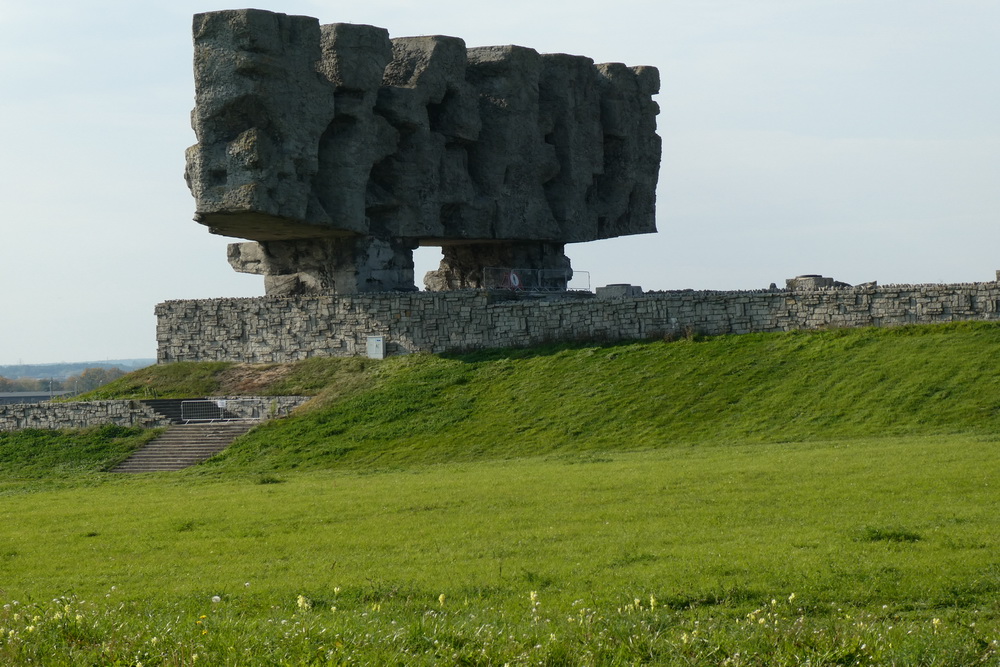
x=344, y=149
x=342, y=265
x=258, y=123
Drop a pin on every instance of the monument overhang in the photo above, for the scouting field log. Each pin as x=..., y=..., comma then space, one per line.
x=258, y=226
x=338, y=144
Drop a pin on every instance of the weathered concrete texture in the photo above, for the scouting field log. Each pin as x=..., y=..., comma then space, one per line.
x=812, y=281
x=308, y=133
x=271, y=329
x=258, y=123
x=82, y=414
x=342, y=265
x=618, y=291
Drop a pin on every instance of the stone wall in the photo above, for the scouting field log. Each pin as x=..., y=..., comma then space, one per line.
x=78, y=415
x=255, y=407
x=84, y=414
x=275, y=329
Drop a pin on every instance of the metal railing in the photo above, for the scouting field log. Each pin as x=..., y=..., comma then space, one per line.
x=535, y=280
x=221, y=410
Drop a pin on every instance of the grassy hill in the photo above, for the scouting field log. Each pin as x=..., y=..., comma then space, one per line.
x=501, y=404
x=747, y=500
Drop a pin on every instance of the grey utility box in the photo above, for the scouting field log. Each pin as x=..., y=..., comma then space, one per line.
x=376, y=347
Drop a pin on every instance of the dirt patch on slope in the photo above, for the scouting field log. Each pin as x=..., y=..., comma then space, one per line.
x=250, y=379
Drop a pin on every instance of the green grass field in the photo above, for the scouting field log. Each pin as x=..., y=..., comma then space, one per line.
x=812, y=498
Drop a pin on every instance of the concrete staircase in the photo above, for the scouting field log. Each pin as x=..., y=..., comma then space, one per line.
x=184, y=445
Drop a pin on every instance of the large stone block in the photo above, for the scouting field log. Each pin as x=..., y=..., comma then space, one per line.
x=258, y=122
x=309, y=133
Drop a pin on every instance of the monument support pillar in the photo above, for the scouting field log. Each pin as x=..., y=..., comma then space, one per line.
x=501, y=264
x=343, y=265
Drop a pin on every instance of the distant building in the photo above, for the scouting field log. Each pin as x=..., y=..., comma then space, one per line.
x=9, y=397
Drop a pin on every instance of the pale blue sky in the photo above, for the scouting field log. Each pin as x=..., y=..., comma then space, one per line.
x=858, y=139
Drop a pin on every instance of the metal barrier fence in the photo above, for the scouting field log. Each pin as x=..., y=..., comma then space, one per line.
x=535, y=280
x=213, y=410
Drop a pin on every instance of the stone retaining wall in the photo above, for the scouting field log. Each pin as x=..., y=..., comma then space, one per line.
x=277, y=329
x=258, y=407
x=78, y=415
x=83, y=414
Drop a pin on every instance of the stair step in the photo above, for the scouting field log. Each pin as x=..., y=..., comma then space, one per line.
x=183, y=445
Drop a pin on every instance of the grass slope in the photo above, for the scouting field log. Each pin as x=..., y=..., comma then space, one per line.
x=40, y=456
x=756, y=388
x=327, y=377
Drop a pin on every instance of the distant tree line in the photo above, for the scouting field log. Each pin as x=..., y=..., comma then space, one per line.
x=63, y=369
x=88, y=379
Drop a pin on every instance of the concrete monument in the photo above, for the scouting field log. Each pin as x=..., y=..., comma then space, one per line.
x=336, y=151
